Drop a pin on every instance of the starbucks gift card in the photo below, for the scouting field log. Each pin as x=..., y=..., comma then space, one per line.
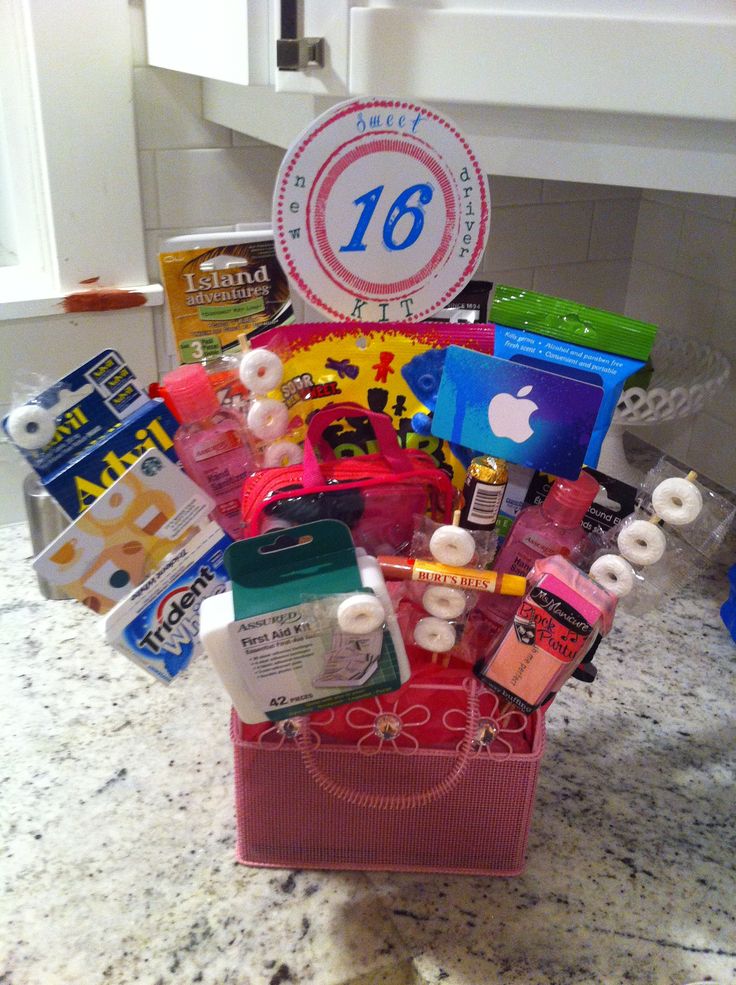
x=126, y=533
x=530, y=416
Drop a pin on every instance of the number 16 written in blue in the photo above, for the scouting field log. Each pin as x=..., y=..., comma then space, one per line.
x=398, y=209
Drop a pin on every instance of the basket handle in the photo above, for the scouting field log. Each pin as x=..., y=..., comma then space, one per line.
x=386, y=801
x=388, y=444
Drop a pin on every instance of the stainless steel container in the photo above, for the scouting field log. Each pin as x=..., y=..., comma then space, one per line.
x=46, y=520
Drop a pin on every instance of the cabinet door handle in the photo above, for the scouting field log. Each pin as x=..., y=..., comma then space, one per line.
x=292, y=52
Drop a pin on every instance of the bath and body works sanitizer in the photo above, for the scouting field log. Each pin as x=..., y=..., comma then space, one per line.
x=212, y=443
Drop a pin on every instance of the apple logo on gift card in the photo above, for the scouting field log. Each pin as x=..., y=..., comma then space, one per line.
x=508, y=415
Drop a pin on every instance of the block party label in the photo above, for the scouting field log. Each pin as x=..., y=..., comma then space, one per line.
x=381, y=212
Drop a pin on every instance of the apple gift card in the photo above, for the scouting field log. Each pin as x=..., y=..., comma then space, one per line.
x=529, y=416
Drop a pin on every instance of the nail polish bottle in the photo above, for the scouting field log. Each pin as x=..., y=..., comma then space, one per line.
x=212, y=444
x=558, y=621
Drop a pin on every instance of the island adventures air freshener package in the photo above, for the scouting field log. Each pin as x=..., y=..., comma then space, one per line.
x=219, y=286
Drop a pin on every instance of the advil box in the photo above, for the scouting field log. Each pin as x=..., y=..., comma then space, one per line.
x=78, y=483
x=81, y=433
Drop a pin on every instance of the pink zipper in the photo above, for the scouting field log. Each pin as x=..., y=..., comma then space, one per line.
x=274, y=480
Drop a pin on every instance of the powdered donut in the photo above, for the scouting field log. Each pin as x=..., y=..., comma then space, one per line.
x=642, y=542
x=452, y=545
x=677, y=501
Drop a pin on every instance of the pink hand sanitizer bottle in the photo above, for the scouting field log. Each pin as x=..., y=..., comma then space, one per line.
x=212, y=444
x=553, y=527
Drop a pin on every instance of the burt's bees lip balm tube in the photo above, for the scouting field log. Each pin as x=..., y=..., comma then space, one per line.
x=470, y=579
x=485, y=485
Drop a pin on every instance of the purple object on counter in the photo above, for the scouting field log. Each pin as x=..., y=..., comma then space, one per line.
x=728, y=609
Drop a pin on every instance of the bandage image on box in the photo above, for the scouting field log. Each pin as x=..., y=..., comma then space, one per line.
x=124, y=535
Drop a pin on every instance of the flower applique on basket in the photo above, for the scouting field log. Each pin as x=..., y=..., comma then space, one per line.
x=496, y=720
x=387, y=728
x=288, y=730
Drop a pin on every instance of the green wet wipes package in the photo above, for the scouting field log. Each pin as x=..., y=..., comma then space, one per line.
x=569, y=321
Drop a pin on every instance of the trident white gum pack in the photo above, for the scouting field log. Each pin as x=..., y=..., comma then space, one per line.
x=157, y=625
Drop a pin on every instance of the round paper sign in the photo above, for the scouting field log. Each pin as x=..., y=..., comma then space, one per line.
x=381, y=212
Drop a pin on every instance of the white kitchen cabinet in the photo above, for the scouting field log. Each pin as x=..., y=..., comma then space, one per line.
x=629, y=93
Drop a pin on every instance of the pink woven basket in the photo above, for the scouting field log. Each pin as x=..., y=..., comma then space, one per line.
x=384, y=802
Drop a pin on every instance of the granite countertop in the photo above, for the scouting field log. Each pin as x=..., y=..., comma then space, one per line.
x=118, y=831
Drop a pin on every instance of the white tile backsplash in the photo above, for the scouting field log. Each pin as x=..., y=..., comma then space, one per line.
x=216, y=186
x=149, y=188
x=716, y=206
x=514, y=191
x=577, y=191
x=538, y=235
x=723, y=324
x=600, y=284
x=168, y=112
x=722, y=407
x=522, y=278
x=614, y=228
x=673, y=438
x=139, y=48
x=675, y=303
x=709, y=453
x=682, y=278
x=245, y=140
x=658, y=233
x=707, y=250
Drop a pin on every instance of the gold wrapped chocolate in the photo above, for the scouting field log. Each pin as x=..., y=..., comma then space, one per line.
x=485, y=484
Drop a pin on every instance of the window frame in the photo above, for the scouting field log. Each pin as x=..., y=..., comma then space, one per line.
x=68, y=106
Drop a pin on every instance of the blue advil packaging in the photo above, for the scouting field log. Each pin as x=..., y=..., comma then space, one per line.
x=83, y=432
